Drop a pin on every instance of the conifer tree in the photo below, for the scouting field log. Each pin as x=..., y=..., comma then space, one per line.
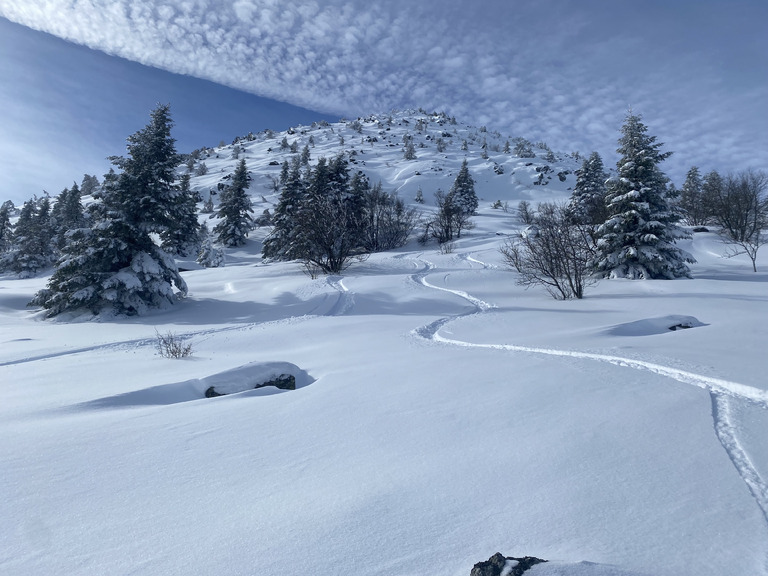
x=210, y=255
x=89, y=185
x=638, y=238
x=115, y=266
x=712, y=186
x=691, y=198
x=282, y=242
x=6, y=230
x=234, y=210
x=67, y=214
x=182, y=237
x=587, y=203
x=31, y=247
x=462, y=194
x=329, y=219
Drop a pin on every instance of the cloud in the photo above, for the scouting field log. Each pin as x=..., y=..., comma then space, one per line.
x=548, y=70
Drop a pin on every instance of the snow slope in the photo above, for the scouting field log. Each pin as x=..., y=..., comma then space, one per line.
x=441, y=414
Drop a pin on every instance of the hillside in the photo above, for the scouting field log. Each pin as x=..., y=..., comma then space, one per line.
x=441, y=413
x=375, y=145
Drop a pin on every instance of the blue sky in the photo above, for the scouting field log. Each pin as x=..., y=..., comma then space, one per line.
x=554, y=70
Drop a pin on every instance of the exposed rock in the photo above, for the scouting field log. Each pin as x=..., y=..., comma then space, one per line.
x=283, y=382
x=498, y=565
x=211, y=393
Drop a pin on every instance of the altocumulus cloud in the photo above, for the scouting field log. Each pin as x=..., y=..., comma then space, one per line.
x=550, y=69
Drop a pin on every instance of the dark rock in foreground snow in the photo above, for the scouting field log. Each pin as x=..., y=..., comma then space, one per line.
x=498, y=565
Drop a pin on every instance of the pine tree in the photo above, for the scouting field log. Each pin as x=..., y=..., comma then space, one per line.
x=638, y=238
x=115, y=266
x=712, y=186
x=6, y=230
x=282, y=242
x=409, y=152
x=210, y=255
x=330, y=218
x=234, y=210
x=67, y=214
x=89, y=185
x=691, y=198
x=31, y=245
x=181, y=237
x=587, y=203
x=462, y=194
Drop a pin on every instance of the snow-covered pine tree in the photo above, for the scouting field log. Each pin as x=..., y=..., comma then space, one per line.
x=234, y=210
x=462, y=193
x=31, y=246
x=638, y=238
x=6, y=230
x=712, y=186
x=587, y=202
x=329, y=218
x=691, y=198
x=181, y=237
x=282, y=242
x=115, y=265
x=210, y=255
x=67, y=214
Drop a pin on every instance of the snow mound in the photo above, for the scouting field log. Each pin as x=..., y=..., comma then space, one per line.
x=241, y=379
x=659, y=325
x=578, y=569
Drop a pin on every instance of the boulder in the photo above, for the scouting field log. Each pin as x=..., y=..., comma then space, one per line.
x=498, y=565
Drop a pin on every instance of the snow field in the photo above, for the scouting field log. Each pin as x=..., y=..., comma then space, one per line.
x=442, y=414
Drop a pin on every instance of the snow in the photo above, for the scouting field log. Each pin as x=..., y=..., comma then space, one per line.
x=442, y=414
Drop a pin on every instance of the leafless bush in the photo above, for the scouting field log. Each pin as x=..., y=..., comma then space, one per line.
x=556, y=254
x=169, y=345
x=741, y=211
x=447, y=247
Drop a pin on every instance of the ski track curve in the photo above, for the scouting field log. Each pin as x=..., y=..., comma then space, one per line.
x=346, y=300
x=722, y=392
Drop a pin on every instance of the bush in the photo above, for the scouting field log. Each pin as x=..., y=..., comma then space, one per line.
x=557, y=256
x=170, y=345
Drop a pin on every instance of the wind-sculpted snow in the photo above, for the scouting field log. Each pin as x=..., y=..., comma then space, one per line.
x=722, y=392
x=243, y=379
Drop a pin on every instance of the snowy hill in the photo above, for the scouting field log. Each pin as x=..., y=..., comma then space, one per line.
x=375, y=145
x=440, y=413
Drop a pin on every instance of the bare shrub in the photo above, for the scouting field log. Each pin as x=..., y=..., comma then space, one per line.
x=555, y=254
x=170, y=345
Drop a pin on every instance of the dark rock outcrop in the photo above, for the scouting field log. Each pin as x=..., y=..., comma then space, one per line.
x=283, y=382
x=497, y=563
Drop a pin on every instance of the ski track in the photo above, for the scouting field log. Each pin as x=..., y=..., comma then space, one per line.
x=722, y=392
x=343, y=305
x=346, y=300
